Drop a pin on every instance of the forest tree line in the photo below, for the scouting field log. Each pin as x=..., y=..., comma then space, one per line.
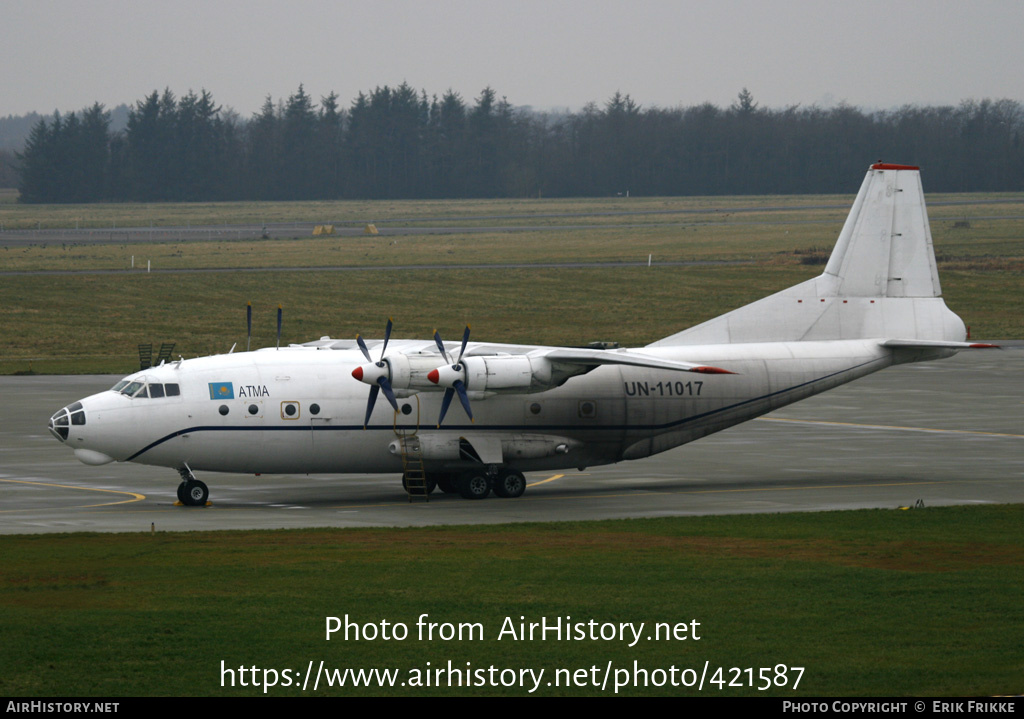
x=398, y=143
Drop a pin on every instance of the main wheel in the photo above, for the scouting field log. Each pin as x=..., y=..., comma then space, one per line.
x=510, y=484
x=474, y=486
x=447, y=483
x=429, y=484
x=195, y=493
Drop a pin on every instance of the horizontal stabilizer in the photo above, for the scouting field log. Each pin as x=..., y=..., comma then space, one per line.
x=936, y=344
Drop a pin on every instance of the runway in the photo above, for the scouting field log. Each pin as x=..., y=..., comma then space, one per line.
x=940, y=433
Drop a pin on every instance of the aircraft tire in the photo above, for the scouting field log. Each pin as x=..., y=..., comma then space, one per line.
x=510, y=484
x=196, y=493
x=474, y=485
x=182, y=496
x=447, y=483
x=431, y=484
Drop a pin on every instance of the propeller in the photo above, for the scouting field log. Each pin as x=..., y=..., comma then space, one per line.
x=450, y=377
x=375, y=374
x=279, y=326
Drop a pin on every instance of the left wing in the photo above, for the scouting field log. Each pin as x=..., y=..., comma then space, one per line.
x=595, y=358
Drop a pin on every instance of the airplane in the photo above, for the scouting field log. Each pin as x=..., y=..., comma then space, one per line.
x=311, y=408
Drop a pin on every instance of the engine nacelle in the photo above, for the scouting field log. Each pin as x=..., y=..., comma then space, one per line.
x=480, y=374
x=409, y=371
x=507, y=372
x=497, y=373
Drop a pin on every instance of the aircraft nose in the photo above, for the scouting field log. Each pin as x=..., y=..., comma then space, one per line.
x=62, y=421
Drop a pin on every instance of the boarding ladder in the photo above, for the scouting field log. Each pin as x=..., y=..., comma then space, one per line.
x=414, y=476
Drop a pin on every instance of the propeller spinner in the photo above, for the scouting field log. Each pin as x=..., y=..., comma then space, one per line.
x=375, y=374
x=450, y=377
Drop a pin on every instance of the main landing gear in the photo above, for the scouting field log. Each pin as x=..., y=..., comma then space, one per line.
x=191, y=492
x=506, y=483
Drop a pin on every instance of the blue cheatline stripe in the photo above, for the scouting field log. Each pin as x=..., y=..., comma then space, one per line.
x=506, y=427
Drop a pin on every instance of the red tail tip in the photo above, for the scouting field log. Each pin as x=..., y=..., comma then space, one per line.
x=891, y=166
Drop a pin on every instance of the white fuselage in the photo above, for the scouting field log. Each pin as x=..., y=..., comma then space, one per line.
x=299, y=410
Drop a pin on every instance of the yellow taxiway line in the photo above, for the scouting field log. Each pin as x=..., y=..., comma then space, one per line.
x=135, y=496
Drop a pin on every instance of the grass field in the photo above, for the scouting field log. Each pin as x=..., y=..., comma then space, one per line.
x=89, y=322
x=871, y=603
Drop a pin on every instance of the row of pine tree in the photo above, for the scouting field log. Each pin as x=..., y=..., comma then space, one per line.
x=400, y=143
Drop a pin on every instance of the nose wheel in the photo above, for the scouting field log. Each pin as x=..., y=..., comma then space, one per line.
x=192, y=492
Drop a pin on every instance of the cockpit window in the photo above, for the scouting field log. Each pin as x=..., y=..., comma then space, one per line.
x=142, y=388
x=132, y=388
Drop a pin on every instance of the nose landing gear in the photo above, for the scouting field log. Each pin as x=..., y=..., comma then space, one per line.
x=191, y=492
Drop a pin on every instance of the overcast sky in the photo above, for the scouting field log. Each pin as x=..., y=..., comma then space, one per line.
x=67, y=54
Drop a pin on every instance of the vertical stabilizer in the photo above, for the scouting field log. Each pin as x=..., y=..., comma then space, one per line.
x=885, y=248
x=881, y=280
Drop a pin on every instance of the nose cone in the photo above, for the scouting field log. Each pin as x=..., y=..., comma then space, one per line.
x=65, y=423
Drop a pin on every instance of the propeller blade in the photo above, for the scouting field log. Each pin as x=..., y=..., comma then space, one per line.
x=248, y=325
x=369, y=405
x=385, y=385
x=440, y=345
x=460, y=387
x=387, y=335
x=465, y=340
x=382, y=383
x=448, y=394
x=362, y=346
x=279, y=326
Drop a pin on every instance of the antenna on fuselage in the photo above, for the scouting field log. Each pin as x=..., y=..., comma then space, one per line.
x=248, y=325
x=279, y=326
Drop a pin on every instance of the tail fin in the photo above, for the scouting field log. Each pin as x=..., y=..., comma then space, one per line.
x=881, y=280
x=885, y=248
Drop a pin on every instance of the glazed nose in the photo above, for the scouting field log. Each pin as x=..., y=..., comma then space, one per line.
x=61, y=422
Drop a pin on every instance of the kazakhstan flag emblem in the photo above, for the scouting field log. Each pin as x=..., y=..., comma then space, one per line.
x=222, y=390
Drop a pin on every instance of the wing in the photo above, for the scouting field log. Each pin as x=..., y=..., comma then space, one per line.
x=596, y=358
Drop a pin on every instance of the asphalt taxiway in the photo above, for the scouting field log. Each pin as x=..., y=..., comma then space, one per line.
x=940, y=433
